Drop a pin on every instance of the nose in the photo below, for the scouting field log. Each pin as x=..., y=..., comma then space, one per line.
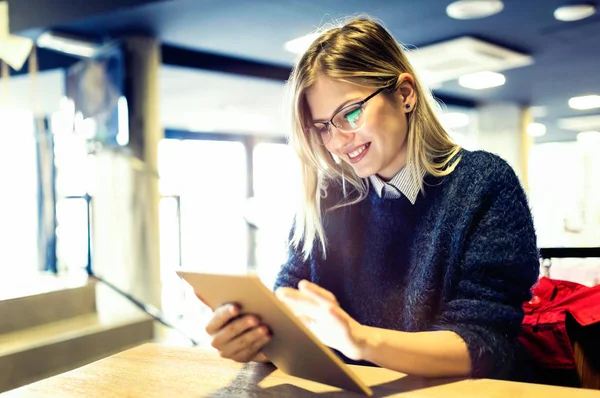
x=340, y=139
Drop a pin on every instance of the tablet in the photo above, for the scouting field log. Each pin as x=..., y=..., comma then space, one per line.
x=293, y=348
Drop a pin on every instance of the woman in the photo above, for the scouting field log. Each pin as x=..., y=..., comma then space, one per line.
x=408, y=252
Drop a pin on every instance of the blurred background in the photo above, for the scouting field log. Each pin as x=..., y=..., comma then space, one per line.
x=143, y=136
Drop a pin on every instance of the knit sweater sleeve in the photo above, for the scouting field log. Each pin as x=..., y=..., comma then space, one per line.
x=293, y=271
x=499, y=265
x=295, y=268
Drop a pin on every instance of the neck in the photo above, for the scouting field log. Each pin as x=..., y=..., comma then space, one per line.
x=394, y=167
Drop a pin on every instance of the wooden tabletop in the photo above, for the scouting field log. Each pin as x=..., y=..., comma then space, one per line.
x=153, y=370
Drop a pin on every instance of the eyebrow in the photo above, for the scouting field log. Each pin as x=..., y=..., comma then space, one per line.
x=339, y=108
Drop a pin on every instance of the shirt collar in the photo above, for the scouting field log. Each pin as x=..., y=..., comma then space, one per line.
x=402, y=182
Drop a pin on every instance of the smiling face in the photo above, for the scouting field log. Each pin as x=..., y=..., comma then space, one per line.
x=379, y=146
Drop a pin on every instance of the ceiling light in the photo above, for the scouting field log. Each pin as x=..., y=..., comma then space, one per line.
x=67, y=44
x=538, y=111
x=482, y=80
x=579, y=123
x=585, y=102
x=301, y=44
x=454, y=120
x=473, y=9
x=589, y=137
x=574, y=12
x=536, y=129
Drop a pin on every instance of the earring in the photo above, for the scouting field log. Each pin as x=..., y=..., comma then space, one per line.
x=407, y=106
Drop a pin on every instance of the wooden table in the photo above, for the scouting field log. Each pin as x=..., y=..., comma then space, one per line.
x=153, y=370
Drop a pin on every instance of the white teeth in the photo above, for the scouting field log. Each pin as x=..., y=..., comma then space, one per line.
x=358, y=151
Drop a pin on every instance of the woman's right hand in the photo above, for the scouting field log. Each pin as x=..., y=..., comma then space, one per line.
x=239, y=339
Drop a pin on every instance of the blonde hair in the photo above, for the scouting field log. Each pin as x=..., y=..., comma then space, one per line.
x=362, y=52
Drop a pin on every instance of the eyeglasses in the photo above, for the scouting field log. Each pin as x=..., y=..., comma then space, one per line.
x=347, y=120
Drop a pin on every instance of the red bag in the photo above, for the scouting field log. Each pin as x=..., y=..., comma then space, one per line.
x=544, y=330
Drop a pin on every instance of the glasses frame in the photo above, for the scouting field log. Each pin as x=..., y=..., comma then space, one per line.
x=330, y=123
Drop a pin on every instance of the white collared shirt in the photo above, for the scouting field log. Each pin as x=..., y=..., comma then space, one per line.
x=401, y=184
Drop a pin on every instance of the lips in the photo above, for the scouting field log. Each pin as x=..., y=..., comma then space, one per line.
x=357, y=154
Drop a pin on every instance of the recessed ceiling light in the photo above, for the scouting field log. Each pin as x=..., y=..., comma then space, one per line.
x=589, y=137
x=585, y=102
x=538, y=111
x=300, y=44
x=454, y=120
x=473, y=9
x=579, y=123
x=482, y=80
x=536, y=129
x=574, y=12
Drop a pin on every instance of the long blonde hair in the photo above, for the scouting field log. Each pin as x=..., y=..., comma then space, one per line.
x=360, y=51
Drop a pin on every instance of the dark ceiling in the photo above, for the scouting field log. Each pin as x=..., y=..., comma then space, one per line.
x=566, y=55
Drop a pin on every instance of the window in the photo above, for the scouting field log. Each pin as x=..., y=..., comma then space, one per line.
x=204, y=190
x=213, y=193
x=565, y=202
x=276, y=188
x=72, y=232
x=19, y=201
x=565, y=196
x=75, y=183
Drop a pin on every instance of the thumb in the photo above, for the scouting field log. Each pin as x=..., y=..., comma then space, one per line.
x=322, y=295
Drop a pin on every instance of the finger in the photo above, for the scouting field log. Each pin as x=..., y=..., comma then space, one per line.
x=338, y=313
x=294, y=295
x=316, y=291
x=307, y=321
x=294, y=308
x=220, y=317
x=301, y=308
x=283, y=292
x=246, y=346
x=233, y=330
x=260, y=337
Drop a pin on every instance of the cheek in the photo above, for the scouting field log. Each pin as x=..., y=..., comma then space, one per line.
x=391, y=126
x=330, y=147
x=383, y=126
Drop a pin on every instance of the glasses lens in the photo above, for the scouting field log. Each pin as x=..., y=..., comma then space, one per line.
x=350, y=119
x=319, y=133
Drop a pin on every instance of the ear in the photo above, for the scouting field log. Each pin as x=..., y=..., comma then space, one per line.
x=406, y=92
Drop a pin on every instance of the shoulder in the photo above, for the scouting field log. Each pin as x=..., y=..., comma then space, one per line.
x=482, y=164
x=479, y=175
x=483, y=168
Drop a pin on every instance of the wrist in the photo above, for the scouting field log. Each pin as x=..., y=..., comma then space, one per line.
x=366, y=340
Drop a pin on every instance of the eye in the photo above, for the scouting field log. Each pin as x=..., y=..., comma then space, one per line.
x=352, y=116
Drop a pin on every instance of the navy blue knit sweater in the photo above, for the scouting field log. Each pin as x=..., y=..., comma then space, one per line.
x=462, y=258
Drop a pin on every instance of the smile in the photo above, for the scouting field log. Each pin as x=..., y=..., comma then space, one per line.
x=359, y=153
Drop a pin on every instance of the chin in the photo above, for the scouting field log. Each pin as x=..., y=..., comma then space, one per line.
x=363, y=173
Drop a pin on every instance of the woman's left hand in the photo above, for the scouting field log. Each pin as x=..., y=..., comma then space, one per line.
x=320, y=311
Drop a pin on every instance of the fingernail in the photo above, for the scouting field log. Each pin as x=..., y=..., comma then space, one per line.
x=232, y=309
